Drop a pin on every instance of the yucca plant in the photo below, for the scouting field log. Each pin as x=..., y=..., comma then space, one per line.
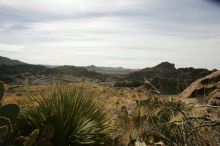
x=73, y=111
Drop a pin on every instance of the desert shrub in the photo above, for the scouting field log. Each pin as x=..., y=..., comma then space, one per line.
x=73, y=111
x=171, y=122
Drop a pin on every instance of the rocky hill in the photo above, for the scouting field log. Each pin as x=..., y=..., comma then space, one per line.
x=19, y=73
x=207, y=87
x=74, y=71
x=165, y=77
x=7, y=61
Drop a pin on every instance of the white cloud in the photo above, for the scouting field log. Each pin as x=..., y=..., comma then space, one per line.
x=126, y=33
x=11, y=48
x=71, y=6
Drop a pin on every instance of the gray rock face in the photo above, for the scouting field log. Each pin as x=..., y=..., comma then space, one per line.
x=164, y=77
x=207, y=87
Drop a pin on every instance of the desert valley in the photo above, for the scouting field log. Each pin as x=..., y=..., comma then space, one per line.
x=158, y=105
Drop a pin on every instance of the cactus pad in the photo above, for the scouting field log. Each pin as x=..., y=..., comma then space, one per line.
x=10, y=111
x=32, y=138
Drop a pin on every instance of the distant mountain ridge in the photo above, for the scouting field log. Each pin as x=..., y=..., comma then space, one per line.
x=93, y=68
x=7, y=61
x=109, y=70
x=164, y=76
x=14, y=71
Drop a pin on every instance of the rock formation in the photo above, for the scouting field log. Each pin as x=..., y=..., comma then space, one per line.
x=165, y=77
x=207, y=87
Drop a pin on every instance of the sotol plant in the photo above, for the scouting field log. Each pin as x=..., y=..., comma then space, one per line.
x=74, y=113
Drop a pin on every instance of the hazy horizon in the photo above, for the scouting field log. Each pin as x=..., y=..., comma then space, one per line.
x=111, y=66
x=118, y=33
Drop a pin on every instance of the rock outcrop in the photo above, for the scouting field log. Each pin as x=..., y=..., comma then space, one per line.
x=164, y=77
x=207, y=87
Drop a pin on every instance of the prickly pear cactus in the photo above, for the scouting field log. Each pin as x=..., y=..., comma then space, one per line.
x=31, y=140
x=3, y=133
x=10, y=111
x=2, y=90
x=46, y=136
x=8, y=114
x=5, y=129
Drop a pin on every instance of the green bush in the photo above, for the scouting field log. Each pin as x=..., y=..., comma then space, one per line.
x=73, y=111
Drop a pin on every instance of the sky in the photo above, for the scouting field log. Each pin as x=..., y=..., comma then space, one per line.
x=127, y=33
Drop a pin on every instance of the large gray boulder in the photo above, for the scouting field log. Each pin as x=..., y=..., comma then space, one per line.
x=207, y=87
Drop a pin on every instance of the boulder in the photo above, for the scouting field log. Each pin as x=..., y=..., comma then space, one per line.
x=207, y=87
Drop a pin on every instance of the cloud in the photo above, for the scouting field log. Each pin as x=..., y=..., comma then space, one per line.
x=11, y=48
x=126, y=33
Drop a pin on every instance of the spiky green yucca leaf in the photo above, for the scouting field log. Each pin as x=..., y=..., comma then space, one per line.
x=74, y=108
